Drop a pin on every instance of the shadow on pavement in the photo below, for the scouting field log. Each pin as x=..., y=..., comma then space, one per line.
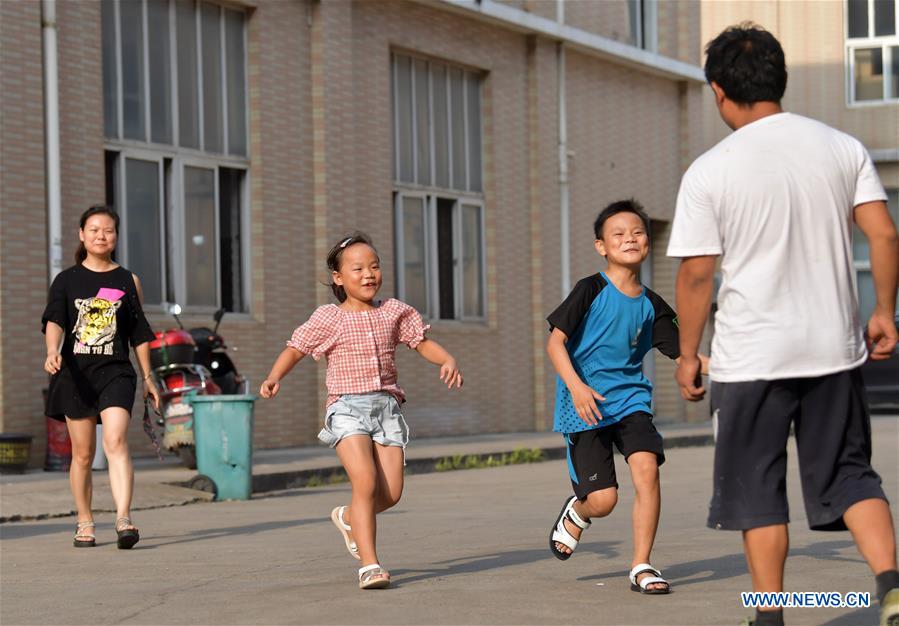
x=731, y=565
x=26, y=531
x=480, y=563
x=860, y=617
x=153, y=541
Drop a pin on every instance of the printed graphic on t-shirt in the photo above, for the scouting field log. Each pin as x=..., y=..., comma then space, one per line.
x=96, y=326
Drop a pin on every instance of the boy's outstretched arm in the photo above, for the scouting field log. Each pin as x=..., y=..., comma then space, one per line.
x=694, y=300
x=583, y=396
x=437, y=354
x=283, y=364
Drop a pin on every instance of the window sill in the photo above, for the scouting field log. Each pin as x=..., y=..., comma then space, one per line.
x=459, y=327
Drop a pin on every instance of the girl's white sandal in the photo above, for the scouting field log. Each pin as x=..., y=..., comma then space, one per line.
x=373, y=577
x=344, y=528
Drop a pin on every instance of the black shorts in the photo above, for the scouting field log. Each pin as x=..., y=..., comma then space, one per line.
x=590, y=463
x=829, y=415
x=67, y=399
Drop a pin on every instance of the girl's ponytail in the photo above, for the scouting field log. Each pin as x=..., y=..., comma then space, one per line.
x=336, y=254
x=80, y=253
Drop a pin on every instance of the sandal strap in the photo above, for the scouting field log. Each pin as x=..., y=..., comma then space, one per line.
x=81, y=530
x=643, y=568
x=372, y=570
x=575, y=519
x=340, y=514
x=122, y=522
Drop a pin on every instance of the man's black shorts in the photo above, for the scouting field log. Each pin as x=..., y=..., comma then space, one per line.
x=830, y=419
x=590, y=463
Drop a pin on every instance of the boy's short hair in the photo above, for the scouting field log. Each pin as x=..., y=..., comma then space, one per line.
x=747, y=62
x=621, y=206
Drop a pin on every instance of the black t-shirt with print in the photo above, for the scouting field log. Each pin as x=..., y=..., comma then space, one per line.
x=100, y=314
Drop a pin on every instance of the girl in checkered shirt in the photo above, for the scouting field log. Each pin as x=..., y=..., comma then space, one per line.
x=363, y=421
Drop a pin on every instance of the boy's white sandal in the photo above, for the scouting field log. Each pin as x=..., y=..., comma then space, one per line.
x=344, y=528
x=373, y=577
x=560, y=534
x=655, y=579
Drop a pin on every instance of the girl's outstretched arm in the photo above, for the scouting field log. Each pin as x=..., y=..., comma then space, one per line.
x=435, y=353
x=283, y=364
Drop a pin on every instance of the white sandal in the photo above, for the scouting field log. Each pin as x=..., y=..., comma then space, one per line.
x=373, y=577
x=560, y=534
x=655, y=579
x=344, y=528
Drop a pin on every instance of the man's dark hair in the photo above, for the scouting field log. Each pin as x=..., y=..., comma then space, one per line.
x=620, y=206
x=747, y=62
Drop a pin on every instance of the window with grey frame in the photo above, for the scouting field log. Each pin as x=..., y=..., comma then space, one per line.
x=872, y=50
x=438, y=188
x=175, y=120
x=643, y=22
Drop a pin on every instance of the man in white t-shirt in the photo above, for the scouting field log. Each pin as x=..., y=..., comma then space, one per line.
x=776, y=201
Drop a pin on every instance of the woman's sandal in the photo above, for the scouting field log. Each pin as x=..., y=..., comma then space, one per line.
x=560, y=534
x=84, y=538
x=127, y=533
x=344, y=528
x=655, y=579
x=373, y=577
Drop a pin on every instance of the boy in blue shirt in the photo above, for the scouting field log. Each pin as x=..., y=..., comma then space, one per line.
x=599, y=336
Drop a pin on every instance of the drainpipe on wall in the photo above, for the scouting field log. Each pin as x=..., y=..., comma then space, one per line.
x=51, y=133
x=563, y=175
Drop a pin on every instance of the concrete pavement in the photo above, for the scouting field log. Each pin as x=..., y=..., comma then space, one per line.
x=38, y=494
x=464, y=547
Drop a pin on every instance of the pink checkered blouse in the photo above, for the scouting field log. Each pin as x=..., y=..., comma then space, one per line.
x=360, y=345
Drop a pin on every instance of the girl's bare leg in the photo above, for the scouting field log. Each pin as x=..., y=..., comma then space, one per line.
x=389, y=463
x=82, y=433
x=357, y=457
x=121, y=471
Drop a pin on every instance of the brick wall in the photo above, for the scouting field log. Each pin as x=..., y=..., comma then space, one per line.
x=23, y=239
x=321, y=164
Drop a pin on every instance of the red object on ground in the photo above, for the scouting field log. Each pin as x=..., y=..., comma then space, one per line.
x=58, y=456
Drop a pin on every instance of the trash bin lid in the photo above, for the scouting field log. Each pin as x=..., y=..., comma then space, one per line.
x=191, y=398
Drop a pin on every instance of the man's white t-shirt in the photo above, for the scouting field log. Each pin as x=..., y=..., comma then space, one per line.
x=775, y=200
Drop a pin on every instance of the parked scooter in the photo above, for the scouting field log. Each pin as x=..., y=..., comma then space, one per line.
x=186, y=361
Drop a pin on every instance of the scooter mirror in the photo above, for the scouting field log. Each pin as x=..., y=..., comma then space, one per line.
x=175, y=309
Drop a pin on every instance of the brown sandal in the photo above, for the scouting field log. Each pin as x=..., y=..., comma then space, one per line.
x=85, y=538
x=127, y=533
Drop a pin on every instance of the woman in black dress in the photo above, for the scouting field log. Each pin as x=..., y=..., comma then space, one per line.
x=93, y=313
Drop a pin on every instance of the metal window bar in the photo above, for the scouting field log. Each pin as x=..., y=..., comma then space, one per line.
x=148, y=122
x=226, y=148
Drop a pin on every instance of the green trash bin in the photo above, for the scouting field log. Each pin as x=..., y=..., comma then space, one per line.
x=223, y=431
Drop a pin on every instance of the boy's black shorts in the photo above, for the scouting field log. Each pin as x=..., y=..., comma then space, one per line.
x=830, y=419
x=590, y=462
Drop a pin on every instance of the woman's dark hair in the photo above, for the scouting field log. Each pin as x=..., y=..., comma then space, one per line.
x=747, y=62
x=621, y=206
x=336, y=254
x=97, y=209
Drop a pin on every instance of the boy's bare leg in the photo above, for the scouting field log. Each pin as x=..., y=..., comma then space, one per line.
x=597, y=504
x=871, y=526
x=766, y=553
x=356, y=456
x=644, y=468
